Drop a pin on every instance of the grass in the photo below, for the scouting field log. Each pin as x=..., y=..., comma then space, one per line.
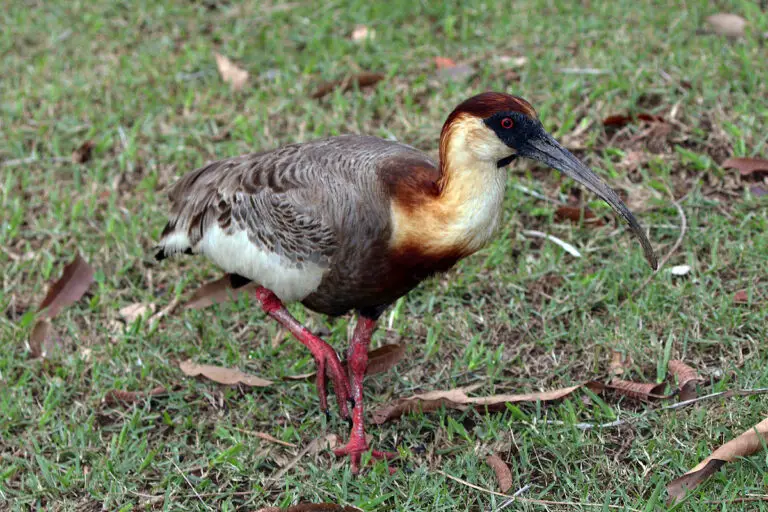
x=140, y=80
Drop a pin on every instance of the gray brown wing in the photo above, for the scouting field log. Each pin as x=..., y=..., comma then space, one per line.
x=268, y=195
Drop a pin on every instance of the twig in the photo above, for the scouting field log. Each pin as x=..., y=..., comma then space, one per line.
x=533, y=501
x=665, y=259
x=565, y=245
x=190, y=484
x=514, y=496
x=167, y=310
x=679, y=405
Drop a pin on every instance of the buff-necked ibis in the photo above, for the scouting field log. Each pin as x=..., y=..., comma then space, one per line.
x=354, y=222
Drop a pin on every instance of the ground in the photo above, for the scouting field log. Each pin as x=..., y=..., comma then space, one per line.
x=140, y=80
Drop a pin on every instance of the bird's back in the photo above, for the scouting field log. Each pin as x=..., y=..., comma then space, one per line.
x=310, y=221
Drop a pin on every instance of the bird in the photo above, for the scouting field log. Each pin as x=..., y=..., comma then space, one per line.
x=351, y=223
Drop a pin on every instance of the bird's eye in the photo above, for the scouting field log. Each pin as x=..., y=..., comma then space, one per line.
x=506, y=123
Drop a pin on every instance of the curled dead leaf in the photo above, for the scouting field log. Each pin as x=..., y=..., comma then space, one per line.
x=364, y=79
x=643, y=391
x=230, y=73
x=380, y=360
x=747, y=167
x=726, y=24
x=458, y=399
x=83, y=153
x=114, y=396
x=574, y=214
x=744, y=445
x=222, y=375
x=503, y=474
x=215, y=292
x=621, y=120
x=687, y=379
x=71, y=286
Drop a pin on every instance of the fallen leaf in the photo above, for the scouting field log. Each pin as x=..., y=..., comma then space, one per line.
x=133, y=312
x=83, y=153
x=619, y=363
x=444, y=62
x=503, y=474
x=383, y=358
x=747, y=166
x=230, y=73
x=71, y=286
x=620, y=120
x=726, y=24
x=746, y=444
x=741, y=297
x=41, y=339
x=680, y=270
x=364, y=79
x=116, y=396
x=574, y=214
x=215, y=292
x=380, y=360
x=643, y=391
x=361, y=33
x=321, y=444
x=457, y=399
x=687, y=379
x=222, y=375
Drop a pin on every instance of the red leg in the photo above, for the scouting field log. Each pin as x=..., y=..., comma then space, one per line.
x=325, y=357
x=357, y=362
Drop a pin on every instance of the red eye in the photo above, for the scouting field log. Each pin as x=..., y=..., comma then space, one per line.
x=506, y=123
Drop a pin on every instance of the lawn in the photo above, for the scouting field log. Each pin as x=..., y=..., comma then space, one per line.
x=139, y=79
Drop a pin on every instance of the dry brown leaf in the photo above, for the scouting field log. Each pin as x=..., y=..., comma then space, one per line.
x=380, y=360
x=574, y=214
x=75, y=280
x=503, y=474
x=726, y=24
x=364, y=79
x=215, y=292
x=458, y=399
x=230, y=73
x=222, y=375
x=116, y=395
x=643, y=391
x=741, y=297
x=620, y=120
x=132, y=312
x=746, y=444
x=383, y=358
x=83, y=153
x=747, y=166
x=41, y=339
x=687, y=379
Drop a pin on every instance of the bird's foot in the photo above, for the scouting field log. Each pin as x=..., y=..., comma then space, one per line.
x=356, y=447
x=328, y=364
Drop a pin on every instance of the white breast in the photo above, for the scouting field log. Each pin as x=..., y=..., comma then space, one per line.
x=236, y=254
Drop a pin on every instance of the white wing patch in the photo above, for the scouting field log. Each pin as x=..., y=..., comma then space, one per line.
x=236, y=254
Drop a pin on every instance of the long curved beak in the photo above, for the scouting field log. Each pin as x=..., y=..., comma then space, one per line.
x=544, y=148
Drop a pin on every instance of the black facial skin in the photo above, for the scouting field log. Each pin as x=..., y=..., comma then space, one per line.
x=528, y=139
